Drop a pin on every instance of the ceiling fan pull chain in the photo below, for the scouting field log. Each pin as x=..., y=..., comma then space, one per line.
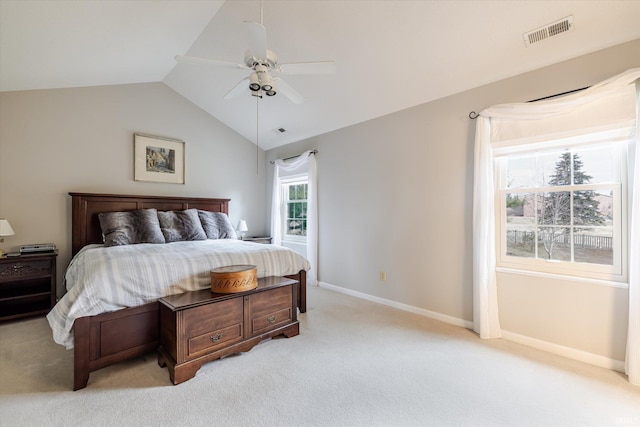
x=257, y=135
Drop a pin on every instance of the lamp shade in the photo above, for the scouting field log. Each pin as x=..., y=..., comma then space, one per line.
x=242, y=225
x=5, y=228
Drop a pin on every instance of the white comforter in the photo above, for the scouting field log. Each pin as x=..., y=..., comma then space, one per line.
x=103, y=279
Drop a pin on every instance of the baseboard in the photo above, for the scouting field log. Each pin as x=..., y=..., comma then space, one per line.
x=568, y=352
x=560, y=350
x=400, y=306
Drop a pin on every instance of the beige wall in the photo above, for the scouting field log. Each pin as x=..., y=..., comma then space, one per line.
x=56, y=141
x=395, y=195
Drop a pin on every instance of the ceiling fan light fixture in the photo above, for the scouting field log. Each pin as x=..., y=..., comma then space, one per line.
x=259, y=61
x=266, y=81
x=254, y=82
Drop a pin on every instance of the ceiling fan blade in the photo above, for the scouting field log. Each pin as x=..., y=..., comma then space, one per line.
x=257, y=39
x=321, y=67
x=285, y=89
x=240, y=87
x=205, y=61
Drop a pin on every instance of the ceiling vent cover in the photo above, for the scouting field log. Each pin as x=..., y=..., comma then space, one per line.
x=550, y=30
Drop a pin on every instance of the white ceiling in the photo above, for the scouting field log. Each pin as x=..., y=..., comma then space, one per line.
x=390, y=55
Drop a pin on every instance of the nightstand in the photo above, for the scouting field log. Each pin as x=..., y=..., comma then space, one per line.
x=27, y=285
x=266, y=240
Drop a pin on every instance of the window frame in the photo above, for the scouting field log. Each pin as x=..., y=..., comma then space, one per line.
x=617, y=272
x=285, y=183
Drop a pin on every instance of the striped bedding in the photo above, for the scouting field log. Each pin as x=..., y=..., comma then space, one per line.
x=101, y=279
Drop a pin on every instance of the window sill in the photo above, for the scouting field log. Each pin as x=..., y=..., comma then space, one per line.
x=586, y=280
x=298, y=242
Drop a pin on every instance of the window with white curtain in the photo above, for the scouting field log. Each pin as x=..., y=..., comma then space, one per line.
x=294, y=205
x=561, y=208
x=544, y=136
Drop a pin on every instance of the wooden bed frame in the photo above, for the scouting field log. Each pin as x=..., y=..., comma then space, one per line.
x=108, y=338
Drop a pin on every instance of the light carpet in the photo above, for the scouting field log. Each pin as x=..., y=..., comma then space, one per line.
x=355, y=363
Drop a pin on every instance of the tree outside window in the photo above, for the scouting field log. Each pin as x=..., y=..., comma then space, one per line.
x=560, y=206
x=295, y=200
x=559, y=210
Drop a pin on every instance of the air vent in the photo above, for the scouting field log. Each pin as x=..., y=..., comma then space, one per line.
x=549, y=30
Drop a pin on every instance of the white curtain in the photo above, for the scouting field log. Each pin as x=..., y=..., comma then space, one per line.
x=609, y=108
x=305, y=165
x=632, y=360
x=485, y=293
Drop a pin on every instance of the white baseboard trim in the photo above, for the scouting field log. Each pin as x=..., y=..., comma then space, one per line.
x=560, y=350
x=400, y=306
x=568, y=352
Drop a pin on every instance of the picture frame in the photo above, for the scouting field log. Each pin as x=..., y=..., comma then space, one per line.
x=158, y=159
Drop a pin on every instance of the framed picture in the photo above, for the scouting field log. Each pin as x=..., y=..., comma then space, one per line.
x=158, y=159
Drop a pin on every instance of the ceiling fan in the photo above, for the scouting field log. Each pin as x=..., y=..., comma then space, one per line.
x=262, y=62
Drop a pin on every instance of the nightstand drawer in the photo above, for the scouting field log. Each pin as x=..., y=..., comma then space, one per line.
x=24, y=270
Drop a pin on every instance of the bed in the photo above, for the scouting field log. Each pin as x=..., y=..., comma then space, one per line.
x=103, y=339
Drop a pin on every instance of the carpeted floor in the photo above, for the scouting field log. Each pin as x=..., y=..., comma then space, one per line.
x=355, y=363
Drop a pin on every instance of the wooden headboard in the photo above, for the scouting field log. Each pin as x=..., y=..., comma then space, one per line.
x=85, y=207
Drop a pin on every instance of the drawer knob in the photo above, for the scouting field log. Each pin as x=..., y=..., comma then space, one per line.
x=271, y=319
x=216, y=337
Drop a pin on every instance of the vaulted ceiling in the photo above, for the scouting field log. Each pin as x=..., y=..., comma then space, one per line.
x=390, y=55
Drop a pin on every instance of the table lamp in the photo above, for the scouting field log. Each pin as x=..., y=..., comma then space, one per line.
x=5, y=230
x=242, y=228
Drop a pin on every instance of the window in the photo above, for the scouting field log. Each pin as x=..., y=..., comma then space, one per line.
x=294, y=198
x=561, y=211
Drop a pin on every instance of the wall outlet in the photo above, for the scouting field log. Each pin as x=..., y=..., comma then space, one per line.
x=383, y=276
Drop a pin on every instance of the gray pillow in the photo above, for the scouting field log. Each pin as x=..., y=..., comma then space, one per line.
x=217, y=225
x=178, y=226
x=128, y=228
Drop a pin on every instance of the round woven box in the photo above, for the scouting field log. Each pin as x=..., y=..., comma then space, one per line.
x=234, y=278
